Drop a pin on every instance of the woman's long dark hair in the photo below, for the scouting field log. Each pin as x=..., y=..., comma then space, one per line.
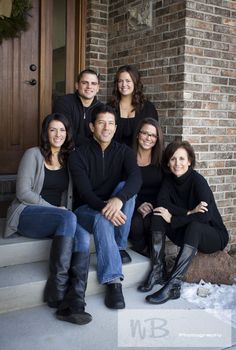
x=45, y=146
x=157, y=150
x=138, y=96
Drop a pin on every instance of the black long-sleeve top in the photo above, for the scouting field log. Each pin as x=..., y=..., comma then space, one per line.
x=182, y=194
x=127, y=126
x=96, y=173
x=71, y=106
x=152, y=177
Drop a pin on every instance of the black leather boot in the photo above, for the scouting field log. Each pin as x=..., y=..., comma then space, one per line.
x=59, y=264
x=73, y=305
x=156, y=275
x=171, y=290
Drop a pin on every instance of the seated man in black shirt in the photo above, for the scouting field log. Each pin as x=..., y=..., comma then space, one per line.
x=106, y=176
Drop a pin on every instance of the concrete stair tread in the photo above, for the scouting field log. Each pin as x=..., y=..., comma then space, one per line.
x=20, y=239
x=23, y=273
x=38, y=271
x=19, y=250
x=21, y=286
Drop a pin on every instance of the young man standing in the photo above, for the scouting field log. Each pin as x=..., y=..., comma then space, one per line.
x=78, y=107
x=106, y=176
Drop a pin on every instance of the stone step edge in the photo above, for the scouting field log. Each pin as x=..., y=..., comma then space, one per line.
x=29, y=294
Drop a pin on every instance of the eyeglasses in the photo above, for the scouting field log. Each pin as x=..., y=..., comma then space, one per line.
x=147, y=134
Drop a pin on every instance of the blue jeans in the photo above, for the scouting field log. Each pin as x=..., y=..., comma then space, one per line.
x=122, y=232
x=40, y=222
x=108, y=239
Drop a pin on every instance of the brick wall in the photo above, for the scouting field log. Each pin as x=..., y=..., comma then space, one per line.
x=187, y=61
x=209, y=110
x=96, y=45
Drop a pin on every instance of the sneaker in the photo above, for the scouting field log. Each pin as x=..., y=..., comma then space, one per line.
x=114, y=297
x=125, y=257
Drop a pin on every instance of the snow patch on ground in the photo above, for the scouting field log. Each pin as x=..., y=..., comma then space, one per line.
x=219, y=297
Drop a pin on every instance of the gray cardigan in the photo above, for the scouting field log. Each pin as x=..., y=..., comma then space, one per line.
x=29, y=184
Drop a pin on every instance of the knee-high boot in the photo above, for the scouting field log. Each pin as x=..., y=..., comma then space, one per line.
x=171, y=290
x=156, y=274
x=73, y=306
x=60, y=258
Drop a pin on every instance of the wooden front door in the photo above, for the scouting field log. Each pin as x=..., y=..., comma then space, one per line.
x=26, y=76
x=19, y=89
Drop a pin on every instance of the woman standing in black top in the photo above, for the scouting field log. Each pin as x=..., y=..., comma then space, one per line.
x=129, y=103
x=148, y=146
x=187, y=214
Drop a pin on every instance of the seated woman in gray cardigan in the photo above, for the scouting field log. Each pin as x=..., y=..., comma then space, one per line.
x=41, y=209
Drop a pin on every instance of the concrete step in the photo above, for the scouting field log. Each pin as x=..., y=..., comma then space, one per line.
x=21, y=250
x=21, y=286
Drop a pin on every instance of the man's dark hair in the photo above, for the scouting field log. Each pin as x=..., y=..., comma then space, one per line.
x=88, y=71
x=102, y=108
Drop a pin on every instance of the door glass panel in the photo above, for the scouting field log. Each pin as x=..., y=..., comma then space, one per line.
x=59, y=48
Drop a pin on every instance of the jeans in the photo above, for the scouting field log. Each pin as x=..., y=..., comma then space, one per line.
x=40, y=222
x=122, y=232
x=108, y=238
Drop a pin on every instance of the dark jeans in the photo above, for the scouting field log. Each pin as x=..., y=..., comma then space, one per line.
x=40, y=221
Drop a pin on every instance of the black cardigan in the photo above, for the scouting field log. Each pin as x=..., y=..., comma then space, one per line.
x=71, y=106
x=182, y=194
x=96, y=173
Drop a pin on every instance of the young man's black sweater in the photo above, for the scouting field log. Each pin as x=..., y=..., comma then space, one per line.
x=96, y=173
x=72, y=107
x=182, y=194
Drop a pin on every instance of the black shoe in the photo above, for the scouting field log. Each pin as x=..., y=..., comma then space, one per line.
x=125, y=257
x=79, y=317
x=114, y=297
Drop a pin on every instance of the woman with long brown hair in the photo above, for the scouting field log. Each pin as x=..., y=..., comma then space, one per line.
x=148, y=147
x=129, y=103
x=42, y=209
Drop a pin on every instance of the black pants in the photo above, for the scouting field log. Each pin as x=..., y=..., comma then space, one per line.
x=202, y=236
x=140, y=231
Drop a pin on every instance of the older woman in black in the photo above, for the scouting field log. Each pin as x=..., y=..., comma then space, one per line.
x=148, y=146
x=129, y=103
x=187, y=214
